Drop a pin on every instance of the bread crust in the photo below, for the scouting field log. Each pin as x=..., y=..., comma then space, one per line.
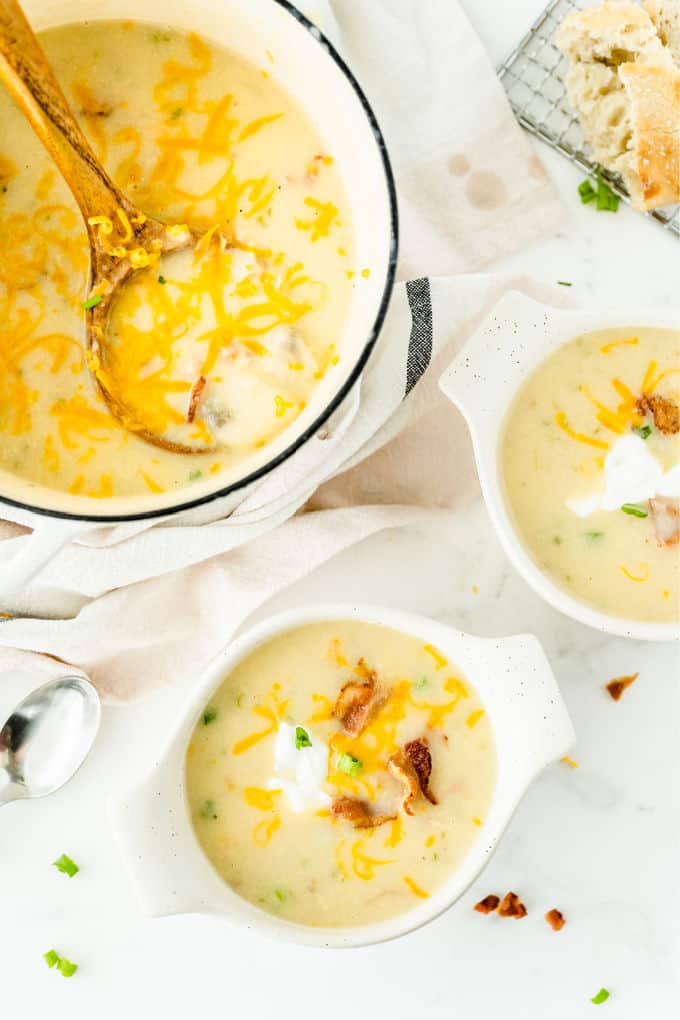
x=654, y=94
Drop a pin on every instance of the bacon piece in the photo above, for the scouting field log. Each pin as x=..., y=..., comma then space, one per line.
x=665, y=412
x=488, y=904
x=555, y=919
x=512, y=906
x=666, y=519
x=617, y=687
x=359, y=700
x=358, y=813
x=195, y=397
x=412, y=768
x=418, y=753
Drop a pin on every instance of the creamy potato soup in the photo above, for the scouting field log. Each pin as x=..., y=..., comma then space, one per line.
x=340, y=774
x=224, y=347
x=591, y=463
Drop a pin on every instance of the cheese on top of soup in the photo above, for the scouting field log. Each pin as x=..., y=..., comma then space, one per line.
x=218, y=348
x=340, y=774
x=591, y=465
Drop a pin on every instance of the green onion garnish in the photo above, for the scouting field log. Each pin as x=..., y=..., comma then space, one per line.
x=66, y=865
x=195, y=475
x=209, y=716
x=208, y=809
x=350, y=765
x=586, y=191
x=644, y=431
x=301, y=738
x=176, y=113
x=51, y=957
x=92, y=302
x=161, y=279
x=281, y=895
x=601, y=997
x=565, y=283
x=67, y=968
x=594, y=536
x=634, y=510
x=420, y=683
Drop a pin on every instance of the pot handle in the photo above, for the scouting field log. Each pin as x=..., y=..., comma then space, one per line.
x=49, y=536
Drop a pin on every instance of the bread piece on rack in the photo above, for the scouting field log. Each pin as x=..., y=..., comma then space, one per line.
x=665, y=15
x=624, y=86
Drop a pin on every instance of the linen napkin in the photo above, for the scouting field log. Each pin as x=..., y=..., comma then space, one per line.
x=137, y=606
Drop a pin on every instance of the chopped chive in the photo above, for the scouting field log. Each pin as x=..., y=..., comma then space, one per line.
x=586, y=191
x=301, y=738
x=594, y=536
x=421, y=682
x=350, y=765
x=67, y=968
x=607, y=201
x=66, y=865
x=195, y=475
x=634, y=510
x=92, y=302
x=208, y=809
x=161, y=279
x=209, y=716
x=51, y=957
x=239, y=700
x=601, y=997
x=557, y=540
x=564, y=283
x=281, y=895
x=644, y=431
x=176, y=113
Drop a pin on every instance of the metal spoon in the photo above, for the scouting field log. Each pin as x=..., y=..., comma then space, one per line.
x=122, y=238
x=47, y=738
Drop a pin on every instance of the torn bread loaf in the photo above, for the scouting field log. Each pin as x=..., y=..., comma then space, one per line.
x=625, y=87
x=665, y=15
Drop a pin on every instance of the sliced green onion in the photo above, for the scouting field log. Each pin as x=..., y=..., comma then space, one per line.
x=92, y=302
x=565, y=283
x=161, y=279
x=281, y=895
x=350, y=765
x=421, y=682
x=209, y=716
x=586, y=191
x=208, y=809
x=644, y=431
x=301, y=738
x=66, y=865
x=51, y=957
x=634, y=510
x=195, y=475
x=601, y=997
x=67, y=968
x=594, y=536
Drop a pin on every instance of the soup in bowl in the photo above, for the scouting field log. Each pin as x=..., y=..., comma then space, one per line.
x=576, y=422
x=238, y=351
x=342, y=774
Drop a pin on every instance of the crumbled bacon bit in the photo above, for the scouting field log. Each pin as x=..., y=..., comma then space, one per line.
x=418, y=753
x=666, y=519
x=359, y=700
x=358, y=813
x=195, y=397
x=399, y=766
x=488, y=904
x=512, y=906
x=665, y=412
x=617, y=687
x=555, y=919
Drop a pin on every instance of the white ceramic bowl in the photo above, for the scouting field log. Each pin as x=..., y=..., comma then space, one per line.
x=531, y=728
x=338, y=108
x=483, y=382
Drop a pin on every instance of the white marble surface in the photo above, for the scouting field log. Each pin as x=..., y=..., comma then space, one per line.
x=599, y=842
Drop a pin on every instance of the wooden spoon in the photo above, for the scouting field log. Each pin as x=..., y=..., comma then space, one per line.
x=122, y=238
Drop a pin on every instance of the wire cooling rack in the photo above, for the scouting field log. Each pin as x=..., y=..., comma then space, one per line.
x=533, y=78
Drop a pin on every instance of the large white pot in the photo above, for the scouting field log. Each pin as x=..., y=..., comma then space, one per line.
x=313, y=73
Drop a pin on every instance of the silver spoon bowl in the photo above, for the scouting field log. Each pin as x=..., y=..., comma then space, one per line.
x=47, y=738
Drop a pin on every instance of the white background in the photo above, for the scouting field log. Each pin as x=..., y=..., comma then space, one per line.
x=597, y=842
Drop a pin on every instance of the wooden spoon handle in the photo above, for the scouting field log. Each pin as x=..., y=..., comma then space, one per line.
x=26, y=72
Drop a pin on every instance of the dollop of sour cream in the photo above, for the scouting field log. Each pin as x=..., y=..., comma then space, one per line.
x=632, y=474
x=300, y=772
